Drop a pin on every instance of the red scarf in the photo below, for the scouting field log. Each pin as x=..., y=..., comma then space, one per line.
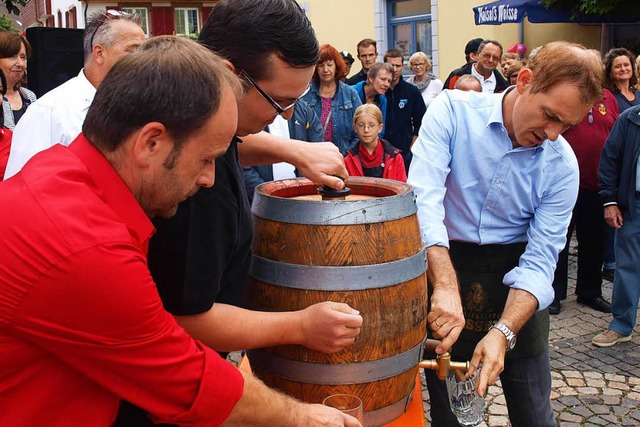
x=371, y=160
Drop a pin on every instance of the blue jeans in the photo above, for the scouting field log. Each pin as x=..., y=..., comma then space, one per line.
x=527, y=388
x=626, y=282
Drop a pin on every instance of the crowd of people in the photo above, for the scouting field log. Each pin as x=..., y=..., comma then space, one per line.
x=126, y=217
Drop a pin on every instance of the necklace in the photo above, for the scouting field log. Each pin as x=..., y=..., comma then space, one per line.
x=327, y=93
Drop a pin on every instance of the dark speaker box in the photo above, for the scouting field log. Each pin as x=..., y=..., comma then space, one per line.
x=57, y=55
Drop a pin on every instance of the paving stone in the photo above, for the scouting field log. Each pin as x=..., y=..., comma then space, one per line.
x=569, y=400
x=612, y=392
x=620, y=410
x=558, y=383
x=498, y=410
x=593, y=375
x=635, y=415
x=565, y=416
x=610, y=417
x=618, y=386
x=498, y=421
x=583, y=411
x=588, y=390
x=634, y=381
x=572, y=374
x=590, y=400
x=554, y=395
x=569, y=391
x=595, y=383
x=608, y=399
x=599, y=409
x=598, y=421
x=616, y=378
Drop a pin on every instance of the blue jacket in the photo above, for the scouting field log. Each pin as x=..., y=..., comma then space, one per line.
x=304, y=125
x=343, y=106
x=619, y=161
x=405, y=108
x=379, y=100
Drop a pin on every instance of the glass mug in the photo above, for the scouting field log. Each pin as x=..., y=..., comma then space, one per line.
x=346, y=403
x=465, y=403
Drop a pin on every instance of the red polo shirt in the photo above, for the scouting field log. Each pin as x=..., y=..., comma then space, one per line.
x=81, y=322
x=588, y=137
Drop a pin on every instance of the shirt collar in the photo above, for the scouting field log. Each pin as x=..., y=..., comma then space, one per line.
x=497, y=117
x=115, y=193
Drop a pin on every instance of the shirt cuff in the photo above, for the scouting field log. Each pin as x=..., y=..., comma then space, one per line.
x=220, y=389
x=532, y=282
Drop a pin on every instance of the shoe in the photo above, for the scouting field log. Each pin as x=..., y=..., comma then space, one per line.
x=608, y=273
x=597, y=303
x=609, y=338
x=554, y=307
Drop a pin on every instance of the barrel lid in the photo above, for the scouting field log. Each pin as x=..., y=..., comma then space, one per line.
x=389, y=200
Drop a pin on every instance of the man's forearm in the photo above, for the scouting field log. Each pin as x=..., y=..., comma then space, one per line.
x=440, y=271
x=229, y=328
x=518, y=309
x=264, y=148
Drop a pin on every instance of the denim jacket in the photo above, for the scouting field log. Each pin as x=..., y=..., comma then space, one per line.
x=343, y=106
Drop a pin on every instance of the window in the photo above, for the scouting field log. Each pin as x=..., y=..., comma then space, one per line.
x=143, y=13
x=410, y=27
x=186, y=22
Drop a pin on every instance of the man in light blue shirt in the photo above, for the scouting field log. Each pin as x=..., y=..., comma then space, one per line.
x=495, y=185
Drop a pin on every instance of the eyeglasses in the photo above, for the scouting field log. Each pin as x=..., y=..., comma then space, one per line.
x=264, y=94
x=107, y=15
x=363, y=126
x=419, y=64
x=490, y=56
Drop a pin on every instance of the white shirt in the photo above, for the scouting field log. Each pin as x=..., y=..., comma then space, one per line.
x=55, y=118
x=282, y=170
x=488, y=85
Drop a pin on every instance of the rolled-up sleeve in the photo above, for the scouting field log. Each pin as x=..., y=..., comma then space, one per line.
x=546, y=236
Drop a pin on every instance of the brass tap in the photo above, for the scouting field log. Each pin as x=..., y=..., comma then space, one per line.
x=442, y=364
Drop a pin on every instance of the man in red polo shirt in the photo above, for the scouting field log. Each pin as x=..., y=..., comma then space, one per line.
x=81, y=322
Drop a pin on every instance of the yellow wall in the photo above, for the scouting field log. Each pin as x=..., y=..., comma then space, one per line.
x=342, y=23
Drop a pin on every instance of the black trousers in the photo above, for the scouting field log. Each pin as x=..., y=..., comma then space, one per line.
x=591, y=232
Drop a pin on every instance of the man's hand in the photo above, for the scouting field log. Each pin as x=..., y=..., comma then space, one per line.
x=321, y=162
x=324, y=416
x=613, y=216
x=445, y=318
x=329, y=326
x=489, y=353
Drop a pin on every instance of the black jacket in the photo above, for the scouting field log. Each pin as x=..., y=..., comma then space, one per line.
x=501, y=82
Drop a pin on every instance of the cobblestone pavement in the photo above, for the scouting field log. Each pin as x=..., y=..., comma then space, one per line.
x=590, y=386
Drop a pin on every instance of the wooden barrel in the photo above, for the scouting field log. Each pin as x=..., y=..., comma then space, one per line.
x=365, y=251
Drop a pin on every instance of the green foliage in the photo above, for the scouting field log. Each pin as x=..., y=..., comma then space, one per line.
x=6, y=24
x=14, y=6
x=623, y=8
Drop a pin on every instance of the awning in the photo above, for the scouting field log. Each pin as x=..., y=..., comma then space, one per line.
x=506, y=12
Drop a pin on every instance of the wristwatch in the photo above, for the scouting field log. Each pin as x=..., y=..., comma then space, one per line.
x=508, y=333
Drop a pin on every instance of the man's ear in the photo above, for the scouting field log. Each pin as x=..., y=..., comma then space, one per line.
x=229, y=65
x=97, y=54
x=524, y=79
x=151, y=143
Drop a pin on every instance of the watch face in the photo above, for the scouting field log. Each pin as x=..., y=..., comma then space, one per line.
x=512, y=343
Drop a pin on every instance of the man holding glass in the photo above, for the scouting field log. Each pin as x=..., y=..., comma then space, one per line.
x=495, y=185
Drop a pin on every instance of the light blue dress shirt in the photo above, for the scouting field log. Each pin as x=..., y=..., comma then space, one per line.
x=473, y=186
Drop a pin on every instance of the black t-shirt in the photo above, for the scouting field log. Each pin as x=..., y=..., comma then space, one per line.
x=202, y=255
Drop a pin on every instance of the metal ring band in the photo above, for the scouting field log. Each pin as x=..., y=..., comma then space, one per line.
x=331, y=278
x=334, y=212
x=337, y=373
